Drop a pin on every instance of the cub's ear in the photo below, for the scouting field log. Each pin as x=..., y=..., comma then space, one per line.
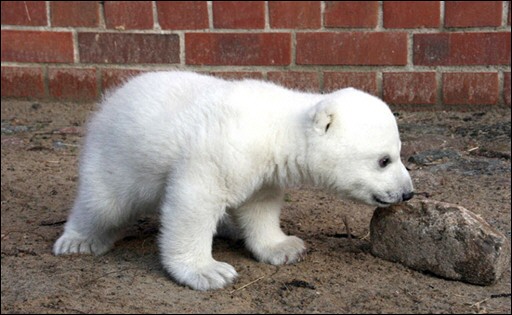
x=322, y=118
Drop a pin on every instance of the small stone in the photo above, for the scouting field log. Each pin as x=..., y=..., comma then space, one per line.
x=441, y=238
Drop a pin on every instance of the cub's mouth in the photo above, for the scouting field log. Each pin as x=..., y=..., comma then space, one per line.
x=380, y=202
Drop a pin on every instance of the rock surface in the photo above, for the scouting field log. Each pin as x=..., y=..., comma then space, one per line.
x=442, y=238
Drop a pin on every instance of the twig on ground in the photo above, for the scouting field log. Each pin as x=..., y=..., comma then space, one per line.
x=246, y=285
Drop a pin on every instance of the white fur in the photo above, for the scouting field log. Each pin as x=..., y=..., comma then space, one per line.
x=211, y=154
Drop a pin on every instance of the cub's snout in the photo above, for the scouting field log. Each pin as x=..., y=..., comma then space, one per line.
x=407, y=196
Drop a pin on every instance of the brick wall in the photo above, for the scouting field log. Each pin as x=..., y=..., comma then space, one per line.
x=429, y=54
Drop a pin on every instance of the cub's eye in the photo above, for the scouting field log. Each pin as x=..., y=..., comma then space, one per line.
x=384, y=161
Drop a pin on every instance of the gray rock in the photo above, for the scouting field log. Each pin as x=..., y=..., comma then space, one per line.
x=441, y=238
x=434, y=156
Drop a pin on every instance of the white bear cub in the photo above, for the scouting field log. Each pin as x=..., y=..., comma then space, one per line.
x=214, y=156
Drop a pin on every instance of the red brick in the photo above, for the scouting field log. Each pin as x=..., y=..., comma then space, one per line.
x=294, y=14
x=470, y=88
x=125, y=48
x=451, y=49
x=31, y=13
x=365, y=81
x=411, y=14
x=239, y=14
x=72, y=84
x=35, y=46
x=128, y=15
x=180, y=15
x=75, y=13
x=24, y=82
x=409, y=88
x=472, y=13
x=302, y=81
x=506, y=88
x=238, y=49
x=230, y=75
x=352, y=48
x=112, y=78
x=351, y=14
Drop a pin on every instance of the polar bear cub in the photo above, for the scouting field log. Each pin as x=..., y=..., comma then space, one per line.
x=215, y=156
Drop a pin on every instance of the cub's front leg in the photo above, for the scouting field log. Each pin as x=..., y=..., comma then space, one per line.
x=190, y=213
x=258, y=219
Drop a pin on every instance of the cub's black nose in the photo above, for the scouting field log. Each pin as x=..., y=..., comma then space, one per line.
x=408, y=196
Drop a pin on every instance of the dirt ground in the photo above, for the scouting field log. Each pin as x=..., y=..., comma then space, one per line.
x=457, y=157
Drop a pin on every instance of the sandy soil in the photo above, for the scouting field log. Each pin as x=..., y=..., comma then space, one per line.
x=458, y=157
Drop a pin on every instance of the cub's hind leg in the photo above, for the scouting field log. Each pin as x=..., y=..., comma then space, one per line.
x=95, y=223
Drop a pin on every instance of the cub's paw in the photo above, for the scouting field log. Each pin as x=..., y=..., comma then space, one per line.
x=74, y=244
x=210, y=276
x=288, y=251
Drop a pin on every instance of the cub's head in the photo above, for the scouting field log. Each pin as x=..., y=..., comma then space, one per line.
x=354, y=149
